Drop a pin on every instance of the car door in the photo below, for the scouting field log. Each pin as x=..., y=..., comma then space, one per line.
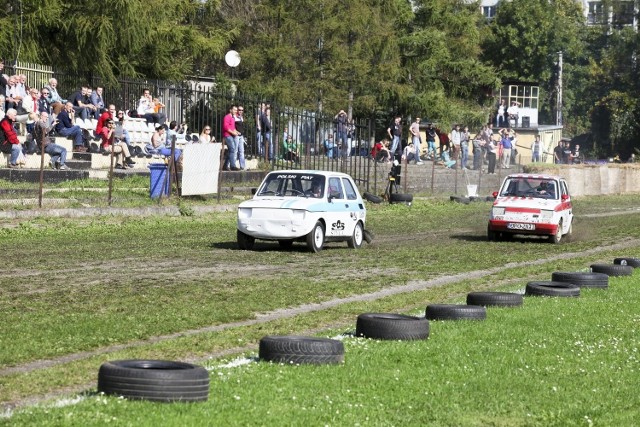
x=337, y=210
x=353, y=205
x=567, y=207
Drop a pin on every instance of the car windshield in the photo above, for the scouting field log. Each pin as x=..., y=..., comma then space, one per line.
x=293, y=185
x=530, y=187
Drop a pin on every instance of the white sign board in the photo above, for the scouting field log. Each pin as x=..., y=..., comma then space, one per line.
x=201, y=164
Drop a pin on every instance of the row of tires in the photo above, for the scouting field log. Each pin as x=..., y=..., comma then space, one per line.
x=168, y=381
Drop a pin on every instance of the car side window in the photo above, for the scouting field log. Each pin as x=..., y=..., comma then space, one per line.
x=349, y=190
x=335, y=188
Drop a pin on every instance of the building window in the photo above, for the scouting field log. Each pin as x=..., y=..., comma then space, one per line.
x=622, y=13
x=526, y=95
x=596, y=13
x=489, y=11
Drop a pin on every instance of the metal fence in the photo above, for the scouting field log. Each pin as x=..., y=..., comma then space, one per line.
x=200, y=103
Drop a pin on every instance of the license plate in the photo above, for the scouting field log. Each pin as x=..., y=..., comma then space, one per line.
x=520, y=226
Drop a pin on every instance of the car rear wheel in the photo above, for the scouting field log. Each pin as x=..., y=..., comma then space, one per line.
x=245, y=242
x=355, y=242
x=555, y=239
x=315, y=239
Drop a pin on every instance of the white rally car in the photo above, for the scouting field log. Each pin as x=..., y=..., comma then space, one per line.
x=533, y=205
x=303, y=205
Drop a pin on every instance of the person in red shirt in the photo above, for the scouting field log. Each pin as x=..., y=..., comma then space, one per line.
x=119, y=148
x=9, y=142
x=229, y=134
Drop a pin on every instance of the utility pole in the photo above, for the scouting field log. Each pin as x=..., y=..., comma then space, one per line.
x=559, y=99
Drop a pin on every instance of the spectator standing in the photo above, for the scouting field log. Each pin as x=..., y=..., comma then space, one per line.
x=566, y=153
x=501, y=113
x=456, y=138
x=431, y=141
x=57, y=153
x=491, y=156
x=505, y=143
x=395, y=133
x=415, y=138
x=56, y=102
x=465, y=136
x=259, y=113
x=229, y=133
x=265, y=129
x=557, y=153
x=536, y=150
x=9, y=142
x=478, y=142
x=97, y=101
x=576, y=155
x=66, y=128
x=240, y=139
x=340, y=121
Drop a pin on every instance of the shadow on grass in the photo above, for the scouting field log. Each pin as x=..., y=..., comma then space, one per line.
x=266, y=246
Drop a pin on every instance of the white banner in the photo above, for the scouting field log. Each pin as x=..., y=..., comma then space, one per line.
x=201, y=165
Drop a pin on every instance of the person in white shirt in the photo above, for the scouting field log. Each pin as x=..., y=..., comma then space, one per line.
x=514, y=112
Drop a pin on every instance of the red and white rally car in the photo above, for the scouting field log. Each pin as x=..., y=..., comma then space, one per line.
x=533, y=205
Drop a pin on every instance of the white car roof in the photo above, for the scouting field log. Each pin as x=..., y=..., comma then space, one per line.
x=534, y=176
x=311, y=171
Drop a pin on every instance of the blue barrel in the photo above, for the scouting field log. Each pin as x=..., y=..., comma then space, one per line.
x=159, y=185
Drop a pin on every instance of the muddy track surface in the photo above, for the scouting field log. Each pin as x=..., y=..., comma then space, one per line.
x=411, y=286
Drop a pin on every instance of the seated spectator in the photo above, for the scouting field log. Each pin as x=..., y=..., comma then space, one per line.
x=9, y=142
x=41, y=136
x=330, y=147
x=66, y=128
x=178, y=133
x=1, y=107
x=380, y=151
x=30, y=109
x=205, y=135
x=446, y=160
x=158, y=146
x=290, y=150
x=112, y=144
x=43, y=102
x=146, y=108
x=409, y=153
x=13, y=98
x=55, y=101
x=81, y=104
x=97, y=102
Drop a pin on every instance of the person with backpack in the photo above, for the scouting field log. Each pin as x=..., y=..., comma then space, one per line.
x=9, y=142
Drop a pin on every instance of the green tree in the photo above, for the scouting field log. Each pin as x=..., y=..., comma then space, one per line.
x=442, y=63
x=314, y=53
x=109, y=38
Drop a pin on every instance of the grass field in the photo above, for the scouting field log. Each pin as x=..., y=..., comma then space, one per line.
x=76, y=293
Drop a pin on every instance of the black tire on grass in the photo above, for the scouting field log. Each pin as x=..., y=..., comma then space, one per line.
x=400, y=198
x=551, y=289
x=455, y=312
x=582, y=279
x=155, y=380
x=301, y=350
x=388, y=326
x=494, y=299
x=633, y=262
x=372, y=198
x=612, y=269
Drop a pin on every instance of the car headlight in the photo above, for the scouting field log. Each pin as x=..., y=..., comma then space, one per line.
x=297, y=214
x=546, y=215
x=244, y=213
x=498, y=211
